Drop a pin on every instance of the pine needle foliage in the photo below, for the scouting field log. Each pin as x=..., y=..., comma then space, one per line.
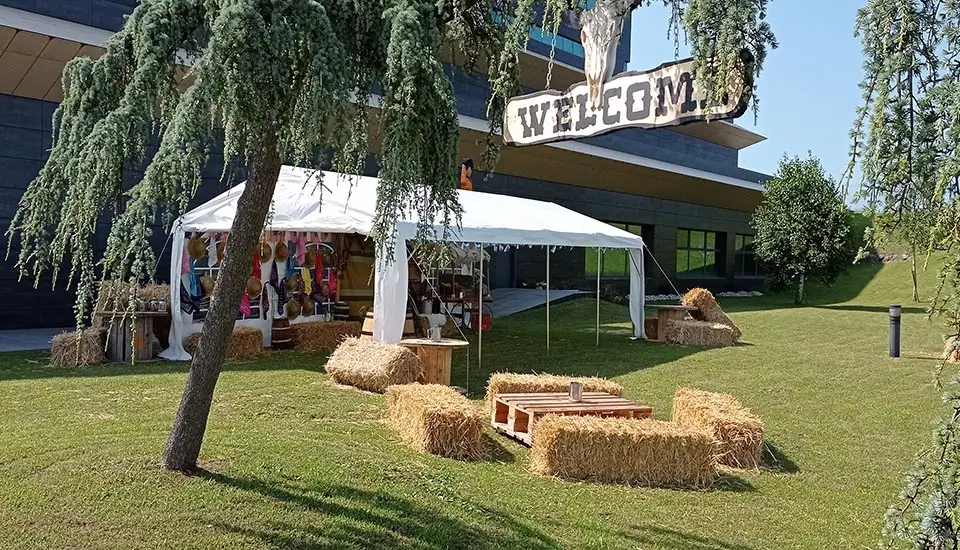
x=906, y=138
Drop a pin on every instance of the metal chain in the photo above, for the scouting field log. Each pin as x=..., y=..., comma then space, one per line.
x=553, y=49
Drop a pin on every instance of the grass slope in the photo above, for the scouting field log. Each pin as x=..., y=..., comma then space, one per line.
x=296, y=463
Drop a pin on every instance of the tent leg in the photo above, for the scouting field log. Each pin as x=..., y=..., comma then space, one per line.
x=479, y=322
x=548, y=300
x=598, y=296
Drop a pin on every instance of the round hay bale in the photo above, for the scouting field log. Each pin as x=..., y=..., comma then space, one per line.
x=373, y=366
x=708, y=309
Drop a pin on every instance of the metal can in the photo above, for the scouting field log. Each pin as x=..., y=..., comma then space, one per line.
x=576, y=391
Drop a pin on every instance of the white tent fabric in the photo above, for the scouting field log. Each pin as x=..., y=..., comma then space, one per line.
x=329, y=202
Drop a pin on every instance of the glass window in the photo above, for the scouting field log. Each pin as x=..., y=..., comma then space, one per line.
x=746, y=257
x=698, y=253
x=615, y=263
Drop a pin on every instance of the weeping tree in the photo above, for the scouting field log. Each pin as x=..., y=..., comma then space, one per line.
x=276, y=81
x=907, y=139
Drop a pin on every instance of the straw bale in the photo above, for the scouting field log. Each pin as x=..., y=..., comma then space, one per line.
x=622, y=450
x=245, y=343
x=688, y=332
x=320, y=335
x=73, y=349
x=373, y=366
x=950, y=351
x=436, y=419
x=737, y=430
x=708, y=309
x=508, y=382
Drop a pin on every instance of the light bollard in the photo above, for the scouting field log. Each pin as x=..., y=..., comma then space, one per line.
x=895, y=312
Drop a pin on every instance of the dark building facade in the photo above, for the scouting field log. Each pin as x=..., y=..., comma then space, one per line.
x=681, y=189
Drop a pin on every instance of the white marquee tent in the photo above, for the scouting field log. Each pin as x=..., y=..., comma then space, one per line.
x=345, y=204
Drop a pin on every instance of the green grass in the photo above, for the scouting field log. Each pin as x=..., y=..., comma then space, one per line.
x=296, y=463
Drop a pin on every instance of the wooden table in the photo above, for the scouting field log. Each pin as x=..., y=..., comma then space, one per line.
x=515, y=413
x=127, y=338
x=436, y=356
x=667, y=313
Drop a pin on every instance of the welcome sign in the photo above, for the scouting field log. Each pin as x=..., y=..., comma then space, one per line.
x=665, y=96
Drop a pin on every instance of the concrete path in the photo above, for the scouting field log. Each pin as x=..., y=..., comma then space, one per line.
x=509, y=301
x=28, y=339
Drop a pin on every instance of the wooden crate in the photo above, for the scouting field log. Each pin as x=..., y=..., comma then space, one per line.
x=515, y=414
x=128, y=339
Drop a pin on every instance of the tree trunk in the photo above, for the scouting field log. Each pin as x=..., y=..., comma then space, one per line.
x=801, y=297
x=183, y=446
x=913, y=273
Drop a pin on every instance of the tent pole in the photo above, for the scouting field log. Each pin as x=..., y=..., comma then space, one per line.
x=598, y=296
x=479, y=321
x=548, y=300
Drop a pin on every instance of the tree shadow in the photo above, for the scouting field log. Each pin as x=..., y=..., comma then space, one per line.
x=35, y=365
x=872, y=309
x=350, y=517
x=776, y=461
x=646, y=536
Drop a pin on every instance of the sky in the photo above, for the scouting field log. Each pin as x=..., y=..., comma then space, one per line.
x=809, y=86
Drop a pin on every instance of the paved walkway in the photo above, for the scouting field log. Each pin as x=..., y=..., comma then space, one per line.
x=28, y=339
x=509, y=301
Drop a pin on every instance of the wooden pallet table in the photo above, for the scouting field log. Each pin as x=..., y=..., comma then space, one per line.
x=514, y=414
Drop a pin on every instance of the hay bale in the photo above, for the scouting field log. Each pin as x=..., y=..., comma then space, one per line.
x=708, y=309
x=373, y=366
x=950, y=352
x=324, y=336
x=73, y=349
x=508, y=382
x=737, y=430
x=436, y=419
x=688, y=332
x=245, y=343
x=621, y=450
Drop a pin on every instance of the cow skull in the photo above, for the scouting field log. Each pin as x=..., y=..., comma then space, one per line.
x=600, y=29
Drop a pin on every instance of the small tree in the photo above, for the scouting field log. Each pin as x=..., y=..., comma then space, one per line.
x=803, y=226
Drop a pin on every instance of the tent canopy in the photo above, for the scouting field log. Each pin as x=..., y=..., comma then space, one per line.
x=330, y=202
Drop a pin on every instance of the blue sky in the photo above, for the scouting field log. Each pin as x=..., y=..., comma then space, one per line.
x=808, y=89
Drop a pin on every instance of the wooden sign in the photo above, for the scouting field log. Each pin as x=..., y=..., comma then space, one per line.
x=665, y=96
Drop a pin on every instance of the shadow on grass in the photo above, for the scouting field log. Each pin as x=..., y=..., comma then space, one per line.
x=349, y=517
x=776, y=461
x=35, y=365
x=497, y=452
x=872, y=309
x=647, y=536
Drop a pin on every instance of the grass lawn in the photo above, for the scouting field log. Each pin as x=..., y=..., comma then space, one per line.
x=297, y=463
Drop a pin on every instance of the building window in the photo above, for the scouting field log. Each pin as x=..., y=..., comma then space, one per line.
x=615, y=263
x=563, y=43
x=697, y=253
x=746, y=257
